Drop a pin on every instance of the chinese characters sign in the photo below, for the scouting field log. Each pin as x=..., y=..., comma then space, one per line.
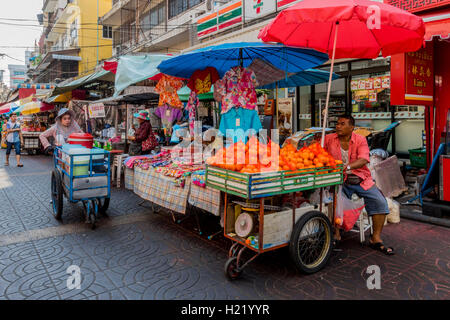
x=419, y=75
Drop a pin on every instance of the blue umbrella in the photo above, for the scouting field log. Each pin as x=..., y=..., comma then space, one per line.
x=303, y=78
x=226, y=56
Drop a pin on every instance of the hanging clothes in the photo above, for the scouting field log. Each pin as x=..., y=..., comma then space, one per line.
x=201, y=80
x=238, y=119
x=192, y=106
x=168, y=115
x=237, y=88
x=167, y=88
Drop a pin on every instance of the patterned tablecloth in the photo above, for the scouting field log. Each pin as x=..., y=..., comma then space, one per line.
x=207, y=199
x=129, y=179
x=154, y=187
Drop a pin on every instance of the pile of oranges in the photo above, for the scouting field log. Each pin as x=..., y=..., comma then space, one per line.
x=252, y=157
x=313, y=156
x=255, y=156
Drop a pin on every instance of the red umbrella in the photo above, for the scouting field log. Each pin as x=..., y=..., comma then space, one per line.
x=346, y=29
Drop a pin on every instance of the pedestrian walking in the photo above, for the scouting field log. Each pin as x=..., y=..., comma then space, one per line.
x=13, y=138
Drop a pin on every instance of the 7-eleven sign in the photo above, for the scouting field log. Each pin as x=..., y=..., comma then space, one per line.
x=258, y=8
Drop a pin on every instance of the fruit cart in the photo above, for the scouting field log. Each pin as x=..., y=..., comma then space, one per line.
x=81, y=176
x=306, y=230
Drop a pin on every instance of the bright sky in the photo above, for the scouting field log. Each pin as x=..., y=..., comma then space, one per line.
x=18, y=37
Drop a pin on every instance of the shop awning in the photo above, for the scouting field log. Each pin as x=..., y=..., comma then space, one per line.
x=62, y=98
x=129, y=98
x=34, y=107
x=101, y=75
x=133, y=69
x=437, y=26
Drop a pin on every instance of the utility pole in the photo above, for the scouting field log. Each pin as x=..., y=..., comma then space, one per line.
x=97, y=32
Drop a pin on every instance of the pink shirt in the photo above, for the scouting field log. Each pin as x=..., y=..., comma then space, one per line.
x=358, y=149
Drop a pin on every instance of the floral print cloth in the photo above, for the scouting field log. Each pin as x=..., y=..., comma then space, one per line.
x=237, y=88
x=167, y=88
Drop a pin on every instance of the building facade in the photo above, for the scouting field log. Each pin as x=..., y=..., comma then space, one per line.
x=17, y=74
x=72, y=43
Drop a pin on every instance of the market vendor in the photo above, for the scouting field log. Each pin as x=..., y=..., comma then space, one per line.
x=143, y=141
x=65, y=125
x=353, y=150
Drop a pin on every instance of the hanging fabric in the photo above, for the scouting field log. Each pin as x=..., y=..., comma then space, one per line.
x=167, y=88
x=201, y=81
x=192, y=106
x=237, y=88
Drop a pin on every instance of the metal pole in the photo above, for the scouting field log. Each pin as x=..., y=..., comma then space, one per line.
x=97, y=31
x=325, y=116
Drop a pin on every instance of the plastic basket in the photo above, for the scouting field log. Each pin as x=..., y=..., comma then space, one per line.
x=418, y=157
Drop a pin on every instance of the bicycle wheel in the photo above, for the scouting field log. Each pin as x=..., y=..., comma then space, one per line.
x=310, y=245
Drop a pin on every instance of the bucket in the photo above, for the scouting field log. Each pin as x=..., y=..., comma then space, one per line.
x=84, y=139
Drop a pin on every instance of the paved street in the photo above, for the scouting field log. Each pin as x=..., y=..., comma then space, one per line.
x=138, y=254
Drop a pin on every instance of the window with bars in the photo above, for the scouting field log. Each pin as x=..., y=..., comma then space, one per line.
x=154, y=17
x=177, y=7
x=107, y=32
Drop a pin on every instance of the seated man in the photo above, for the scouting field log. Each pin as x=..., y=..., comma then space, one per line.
x=353, y=150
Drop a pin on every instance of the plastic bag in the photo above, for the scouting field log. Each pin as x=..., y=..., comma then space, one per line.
x=347, y=211
x=394, y=211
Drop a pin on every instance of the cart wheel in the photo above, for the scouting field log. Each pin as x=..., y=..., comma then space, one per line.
x=231, y=270
x=93, y=212
x=103, y=204
x=57, y=194
x=310, y=245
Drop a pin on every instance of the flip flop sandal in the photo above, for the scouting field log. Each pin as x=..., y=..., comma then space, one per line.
x=379, y=246
x=6, y=164
x=20, y=165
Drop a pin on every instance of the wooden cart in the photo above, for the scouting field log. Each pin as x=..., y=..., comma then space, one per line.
x=309, y=236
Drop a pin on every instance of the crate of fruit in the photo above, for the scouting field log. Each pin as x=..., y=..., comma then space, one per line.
x=264, y=184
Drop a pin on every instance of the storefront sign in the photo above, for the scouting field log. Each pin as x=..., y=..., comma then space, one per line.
x=207, y=24
x=96, y=110
x=417, y=5
x=284, y=106
x=255, y=9
x=224, y=17
x=413, y=77
x=377, y=83
x=419, y=75
x=230, y=15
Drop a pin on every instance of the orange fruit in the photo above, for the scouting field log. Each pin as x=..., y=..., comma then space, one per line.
x=338, y=221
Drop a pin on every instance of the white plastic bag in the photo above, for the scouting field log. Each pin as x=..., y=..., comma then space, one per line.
x=394, y=211
x=347, y=211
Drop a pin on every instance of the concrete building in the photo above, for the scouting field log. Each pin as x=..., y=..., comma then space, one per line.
x=17, y=74
x=72, y=42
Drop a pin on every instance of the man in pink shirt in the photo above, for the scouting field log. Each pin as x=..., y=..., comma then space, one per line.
x=353, y=150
